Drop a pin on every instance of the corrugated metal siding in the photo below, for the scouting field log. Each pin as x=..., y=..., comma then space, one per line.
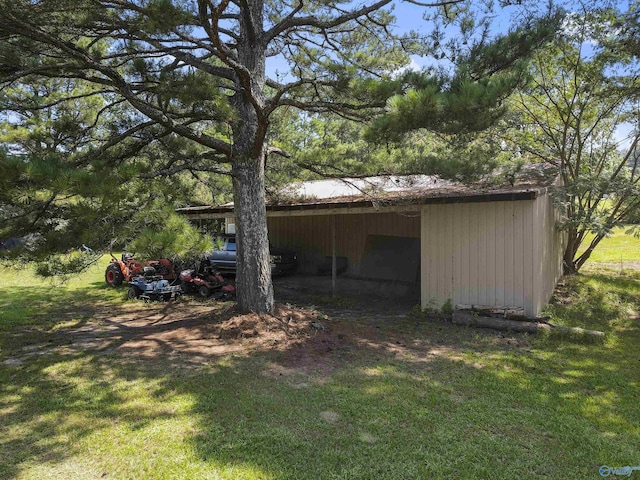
x=479, y=254
x=310, y=236
x=551, y=243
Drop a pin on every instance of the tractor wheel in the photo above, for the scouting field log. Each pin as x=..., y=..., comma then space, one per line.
x=133, y=293
x=113, y=276
x=204, y=291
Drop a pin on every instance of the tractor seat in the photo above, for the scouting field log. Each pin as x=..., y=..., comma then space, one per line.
x=148, y=271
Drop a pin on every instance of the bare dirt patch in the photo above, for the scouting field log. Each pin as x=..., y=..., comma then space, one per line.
x=330, y=416
x=308, y=342
x=192, y=331
x=196, y=332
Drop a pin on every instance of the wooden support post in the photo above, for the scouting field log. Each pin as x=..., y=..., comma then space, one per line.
x=333, y=257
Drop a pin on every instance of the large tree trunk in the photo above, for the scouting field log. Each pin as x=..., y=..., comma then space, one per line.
x=569, y=266
x=253, y=278
x=571, y=260
x=568, y=259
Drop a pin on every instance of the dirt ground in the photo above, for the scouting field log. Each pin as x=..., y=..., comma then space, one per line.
x=310, y=335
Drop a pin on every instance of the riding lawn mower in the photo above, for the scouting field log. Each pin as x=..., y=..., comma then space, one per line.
x=205, y=280
x=127, y=268
x=150, y=286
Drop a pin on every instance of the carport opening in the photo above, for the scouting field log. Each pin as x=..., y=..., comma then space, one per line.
x=391, y=258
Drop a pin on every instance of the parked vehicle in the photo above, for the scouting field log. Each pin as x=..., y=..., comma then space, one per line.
x=29, y=242
x=207, y=282
x=11, y=243
x=223, y=257
x=127, y=268
x=151, y=286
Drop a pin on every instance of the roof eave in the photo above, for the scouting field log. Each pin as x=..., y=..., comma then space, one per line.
x=529, y=194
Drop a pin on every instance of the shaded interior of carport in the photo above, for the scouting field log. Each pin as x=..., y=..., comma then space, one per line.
x=374, y=247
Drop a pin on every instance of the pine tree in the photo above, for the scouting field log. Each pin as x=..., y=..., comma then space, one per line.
x=196, y=71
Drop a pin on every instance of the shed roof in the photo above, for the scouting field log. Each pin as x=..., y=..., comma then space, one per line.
x=398, y=190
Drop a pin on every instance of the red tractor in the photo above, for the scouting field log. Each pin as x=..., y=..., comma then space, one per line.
x=128, y=268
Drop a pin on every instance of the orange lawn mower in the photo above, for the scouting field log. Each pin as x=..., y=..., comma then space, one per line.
x=128, y=268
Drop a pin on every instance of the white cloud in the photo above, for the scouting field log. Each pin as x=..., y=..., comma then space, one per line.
x=412, y=66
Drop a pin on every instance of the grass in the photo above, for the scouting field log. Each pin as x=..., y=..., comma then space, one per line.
x=455, y=403
x=30, y=304
x=618, y=248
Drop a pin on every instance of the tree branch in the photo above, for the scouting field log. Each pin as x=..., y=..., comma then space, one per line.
x=115, y=80
x=290, y=21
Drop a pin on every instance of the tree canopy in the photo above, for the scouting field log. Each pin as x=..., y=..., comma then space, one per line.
x=184, y=86
x=572, y=115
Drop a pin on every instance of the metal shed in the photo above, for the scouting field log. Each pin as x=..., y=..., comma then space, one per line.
x=485, y=245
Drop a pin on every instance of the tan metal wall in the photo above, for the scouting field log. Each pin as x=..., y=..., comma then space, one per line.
x=311, y=236
x=551, y=243
x=503, y=254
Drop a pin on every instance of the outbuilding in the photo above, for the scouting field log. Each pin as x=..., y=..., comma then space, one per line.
x=486, y=245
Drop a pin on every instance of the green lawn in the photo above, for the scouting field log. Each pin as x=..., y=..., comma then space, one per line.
x=404, y=398
x=620, y=247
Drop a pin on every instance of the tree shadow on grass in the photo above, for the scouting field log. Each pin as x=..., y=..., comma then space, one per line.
x=380, y=397
x=480, y=410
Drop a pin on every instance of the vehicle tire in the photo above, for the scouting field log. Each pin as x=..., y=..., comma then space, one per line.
x=133, y=293
x=228, y=296
x=188, y=287
x=113, y=276
x=204, y=291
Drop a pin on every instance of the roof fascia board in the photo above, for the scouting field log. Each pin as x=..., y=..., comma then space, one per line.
x=367, y=206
